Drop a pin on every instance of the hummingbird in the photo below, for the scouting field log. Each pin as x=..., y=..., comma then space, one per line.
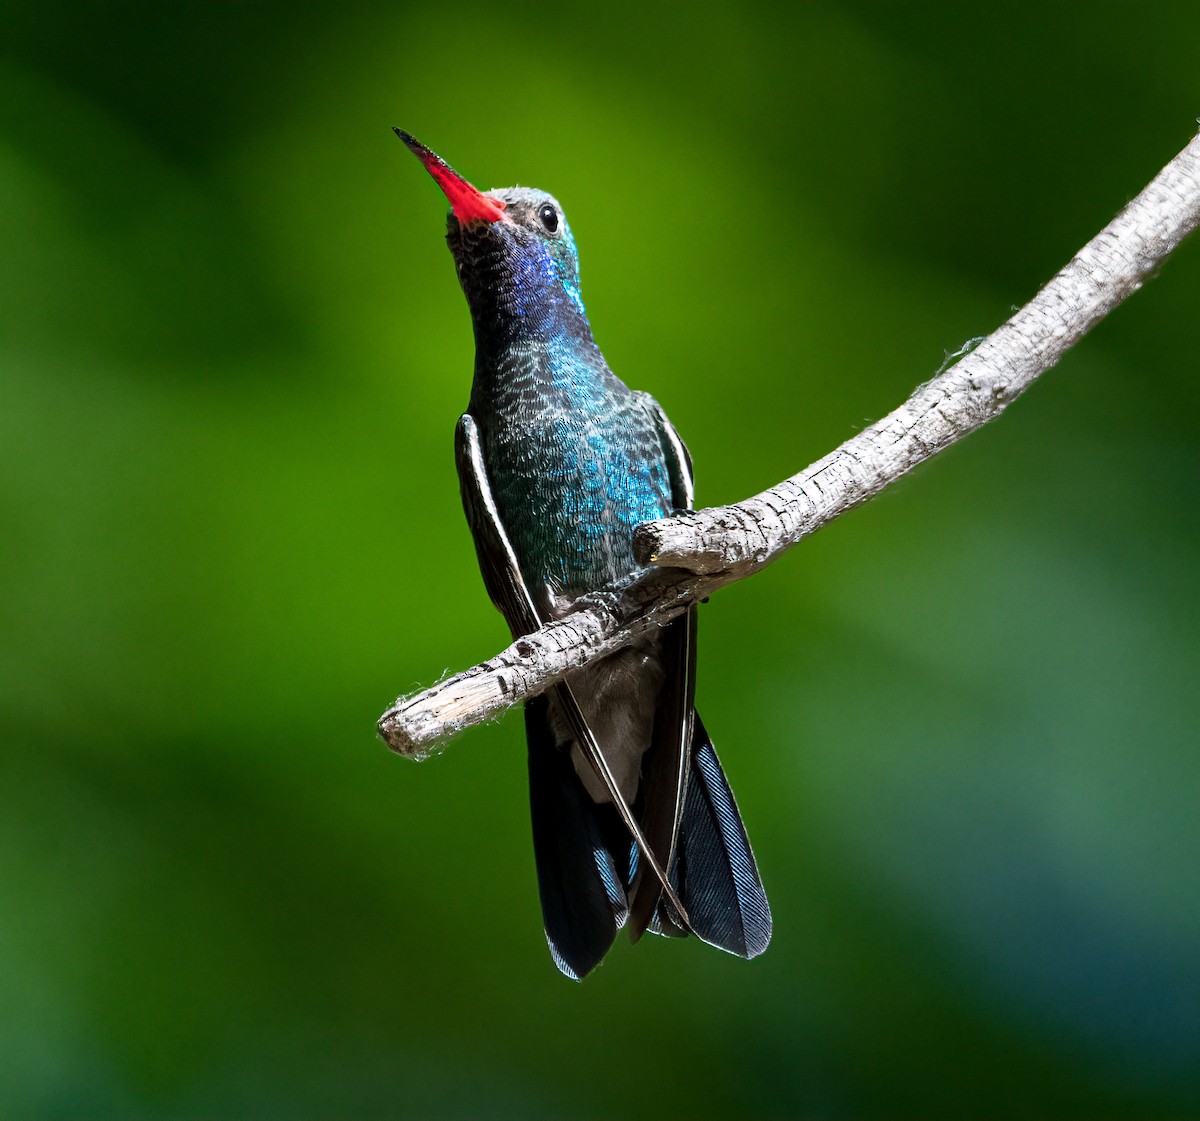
x=559, y=461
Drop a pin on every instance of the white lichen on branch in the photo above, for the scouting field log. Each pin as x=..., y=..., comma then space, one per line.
x=696, y=553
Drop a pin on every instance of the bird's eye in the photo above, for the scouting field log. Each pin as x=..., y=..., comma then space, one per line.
x=548, y=216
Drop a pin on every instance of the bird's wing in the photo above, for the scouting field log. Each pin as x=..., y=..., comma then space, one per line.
x=514, y=599
x=667, y=762
x=679, y=459
x=497, y=560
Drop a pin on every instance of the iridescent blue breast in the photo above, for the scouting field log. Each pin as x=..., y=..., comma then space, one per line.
x=576, y=464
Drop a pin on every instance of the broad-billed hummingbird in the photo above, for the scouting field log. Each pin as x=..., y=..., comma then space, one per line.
x=558, y=462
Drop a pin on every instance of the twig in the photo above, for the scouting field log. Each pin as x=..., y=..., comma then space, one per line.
x=698, y=552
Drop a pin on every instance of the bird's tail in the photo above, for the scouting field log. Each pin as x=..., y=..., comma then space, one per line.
x=587, y=863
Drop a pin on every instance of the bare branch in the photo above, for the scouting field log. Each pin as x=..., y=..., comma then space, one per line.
x=698, y=552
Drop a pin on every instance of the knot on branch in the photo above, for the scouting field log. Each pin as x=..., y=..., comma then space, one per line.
x=680, y=541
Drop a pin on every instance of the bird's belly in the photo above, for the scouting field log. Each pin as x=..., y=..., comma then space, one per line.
x=618, y=697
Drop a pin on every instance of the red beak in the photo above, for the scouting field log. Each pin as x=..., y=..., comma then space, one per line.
x=467, y=202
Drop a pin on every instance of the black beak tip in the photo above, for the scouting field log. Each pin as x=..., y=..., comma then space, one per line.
x=413, y=144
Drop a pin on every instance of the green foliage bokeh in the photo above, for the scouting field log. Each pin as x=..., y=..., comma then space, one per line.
x=961, y=722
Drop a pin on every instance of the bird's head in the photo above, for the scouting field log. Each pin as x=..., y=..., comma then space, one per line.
x=512, y=247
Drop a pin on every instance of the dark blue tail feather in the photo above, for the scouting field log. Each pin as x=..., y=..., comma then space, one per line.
x=714, y=869
x=583, y=891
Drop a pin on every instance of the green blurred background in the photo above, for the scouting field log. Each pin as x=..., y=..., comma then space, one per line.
x=961, y=721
